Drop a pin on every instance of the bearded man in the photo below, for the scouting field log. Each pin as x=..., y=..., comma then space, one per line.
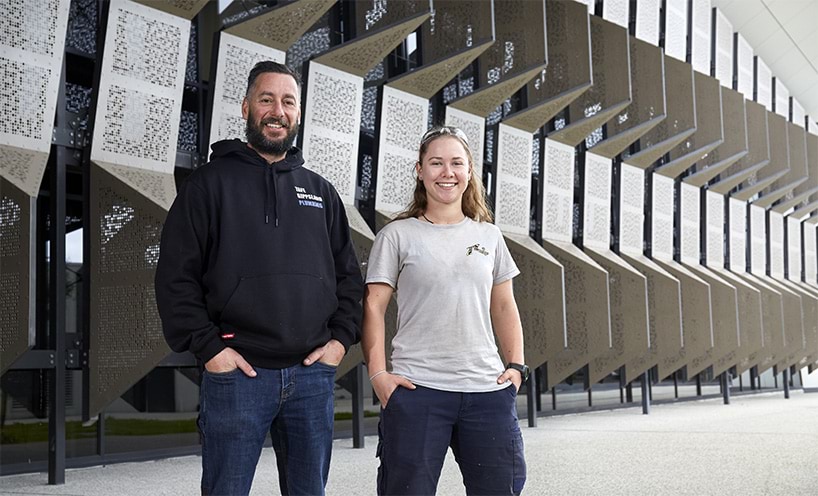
x=257, y=278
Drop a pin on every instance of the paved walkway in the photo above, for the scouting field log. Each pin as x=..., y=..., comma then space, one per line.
x=759, y=445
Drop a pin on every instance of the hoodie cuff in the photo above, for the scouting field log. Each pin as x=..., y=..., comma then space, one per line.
x=342, y=338
x=211, y=348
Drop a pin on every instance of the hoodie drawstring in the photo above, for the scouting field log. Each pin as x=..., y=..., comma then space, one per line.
x=270, y=176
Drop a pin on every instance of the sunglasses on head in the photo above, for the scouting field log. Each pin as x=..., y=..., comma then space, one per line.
x=444, y=131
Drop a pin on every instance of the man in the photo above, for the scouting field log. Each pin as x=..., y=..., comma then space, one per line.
x=258, y=278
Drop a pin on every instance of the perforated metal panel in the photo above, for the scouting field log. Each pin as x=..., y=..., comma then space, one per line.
x=616, y=11
x=32, y=38
x=127, y=340
x=140, y=96
x=744, y=66
x=798, y=115
x=723, y=41
x=17, y=277
x=332, y=115
x=647, y=21
x=403, y=121
x=738, y=235
x=724, y=336
x=758, y=240
x=700, y=19
x=632, y=210
x=776, y=241
x=715, y=229
x=281, y=27
x=540, y=294
x=757, y=158
x=513, y=196
x=782, y=99
x=597, y=204
x=690, y=204
x=778, y=178
x=186, y=9
x=676, y=22
x=236, y=57
x=455, y=25
x=558, y=191
x=810, y=254
x=662, y=218
x=763, y=84
x=794, y=240
x=475, y=128
x=611, y=91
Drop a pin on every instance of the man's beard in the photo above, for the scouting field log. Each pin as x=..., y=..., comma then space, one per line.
x=255, y=135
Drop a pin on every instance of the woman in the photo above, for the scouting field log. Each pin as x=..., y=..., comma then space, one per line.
x=448, y=386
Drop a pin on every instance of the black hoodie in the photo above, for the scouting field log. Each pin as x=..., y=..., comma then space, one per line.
x=257, y=257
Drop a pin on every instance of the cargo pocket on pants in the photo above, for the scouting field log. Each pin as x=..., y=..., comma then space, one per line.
x=519, y=472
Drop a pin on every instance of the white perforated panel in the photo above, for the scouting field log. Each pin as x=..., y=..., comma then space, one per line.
x=475, y=128
x=764, y=84
x=662, y=218
x=810, y=254
x=236, y=57
x=32, y=40
x=597, y=205
x=332, y=116
x=404, y=119
x=724, y=50
x=647, y=20
x=798, y=115
x=558, y=191
x=631, y=210
x=738, y=236
x=776, y=244
x=700, y=36
x=690, y=220
x=782, y=99
x=676, y=29
x=715, y=229
x=745, y=67
x=140, y=94
x=616, y=11
x=793, y=249
x=758, y=240
x=514, y=150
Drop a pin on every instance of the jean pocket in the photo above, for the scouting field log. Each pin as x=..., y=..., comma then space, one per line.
x=221, y=377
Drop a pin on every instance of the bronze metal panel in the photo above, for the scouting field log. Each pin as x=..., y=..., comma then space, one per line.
x=519, y=27
x=540, y=294
x=797, y=174
x=361, y=54
x=809, y=308
x=793, y=324
x=427, y=80
x=647, y=109
x=17, y=275
x=749, y=321
x=709, y=131
x=724, y=305
x=680, y=122
x=569, y=66
x=697, y=321
x=372, y=16
x=629, y=315
x=735, y=140
x=186, y=9
x=281, y=27
x=772, y=315
x=664, y=319
x=587, y=313
x=126, y=333
x=807, y=192
x=485, y=100
x=758, y=152
x=457, y=25
x=611, y=90
x=779, y=160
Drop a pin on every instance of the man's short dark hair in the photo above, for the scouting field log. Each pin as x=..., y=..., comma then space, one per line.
x=270, y=66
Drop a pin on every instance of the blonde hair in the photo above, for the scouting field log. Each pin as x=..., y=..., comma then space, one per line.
x=473, y=203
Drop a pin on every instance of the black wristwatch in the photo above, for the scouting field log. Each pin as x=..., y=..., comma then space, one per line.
x=521, y=368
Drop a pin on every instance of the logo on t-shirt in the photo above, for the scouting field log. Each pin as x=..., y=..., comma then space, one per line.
x=308, y=199
x=476, y=248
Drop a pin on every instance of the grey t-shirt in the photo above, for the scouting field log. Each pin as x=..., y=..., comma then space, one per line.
x=443, y=275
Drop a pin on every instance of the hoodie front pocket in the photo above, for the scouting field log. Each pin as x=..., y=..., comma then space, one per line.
x=282, y=308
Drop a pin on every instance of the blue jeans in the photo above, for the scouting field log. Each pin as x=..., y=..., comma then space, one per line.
x=294, y=404
x=418, y=426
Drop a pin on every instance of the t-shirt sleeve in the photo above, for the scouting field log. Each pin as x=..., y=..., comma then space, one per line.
x=504, y=266
x=384, y=261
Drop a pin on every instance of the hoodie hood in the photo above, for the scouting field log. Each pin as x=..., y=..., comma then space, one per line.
x=237, y=149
